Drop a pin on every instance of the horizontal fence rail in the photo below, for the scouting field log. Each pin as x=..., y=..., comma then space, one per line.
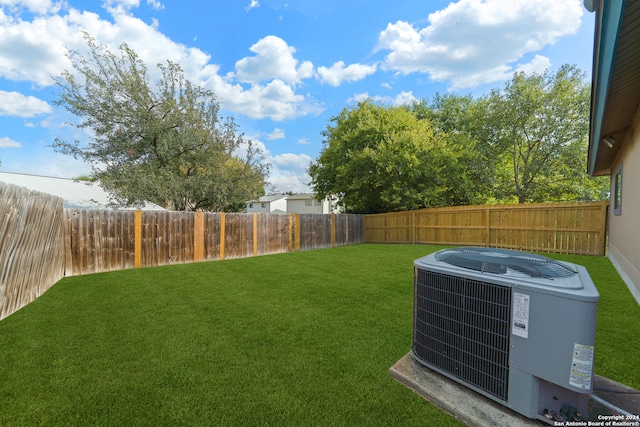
x=572, y=228
x=31, y=242
x=104, y=240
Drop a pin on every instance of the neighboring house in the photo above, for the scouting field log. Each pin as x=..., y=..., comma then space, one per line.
x=614, y=137
x=268, y=204
x=75, y=194
x=307, y=203
x=296, y=203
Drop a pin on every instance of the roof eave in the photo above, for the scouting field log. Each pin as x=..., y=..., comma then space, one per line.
x=608, y=22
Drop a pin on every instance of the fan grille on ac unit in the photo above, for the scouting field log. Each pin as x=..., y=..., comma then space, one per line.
x=499, y=261
x=462, y=328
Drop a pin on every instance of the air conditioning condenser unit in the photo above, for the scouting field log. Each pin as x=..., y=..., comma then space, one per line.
x=517, y=327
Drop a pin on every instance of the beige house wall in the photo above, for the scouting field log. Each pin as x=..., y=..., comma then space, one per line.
x=309, y=205
x=624, y=229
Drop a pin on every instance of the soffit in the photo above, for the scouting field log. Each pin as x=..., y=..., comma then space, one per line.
x=623, y=96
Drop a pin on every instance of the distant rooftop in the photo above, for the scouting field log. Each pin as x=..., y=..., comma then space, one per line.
x=274, y=197
x=270, y=198
x=302, y=196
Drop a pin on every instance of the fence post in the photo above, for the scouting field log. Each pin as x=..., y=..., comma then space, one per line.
x=487, y=242
x=346, y=237
x=198, y=237
x=255, y=234
x=221, y=235
x=297, y=232
x=333, y=229
x=413, y=225
x=290, y=232
x=137, y=246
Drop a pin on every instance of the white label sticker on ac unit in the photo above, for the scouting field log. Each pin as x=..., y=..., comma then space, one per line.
x=520, y=317
x=581, y=366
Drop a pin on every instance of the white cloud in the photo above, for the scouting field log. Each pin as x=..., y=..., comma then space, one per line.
x=252, y=5
x=276, y=134
x=40, y=7
x=539, y=64
x=338, y=73
x=295, y=162
x=358, y=97
x=289, y=172
x=16, y=104
x=273, y=60
x=472, y=42
x=155, y=4
x=403, y=98
x=34, y=50
x=126, y=5
x=9, y=143
x=283, y=181
x=303, y=141
x=121, y=4
x=275, y=100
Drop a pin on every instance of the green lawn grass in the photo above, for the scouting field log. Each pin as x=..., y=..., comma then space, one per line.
x=290, y=339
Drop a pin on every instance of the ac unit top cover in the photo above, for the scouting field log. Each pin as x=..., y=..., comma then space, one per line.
x=515, y=269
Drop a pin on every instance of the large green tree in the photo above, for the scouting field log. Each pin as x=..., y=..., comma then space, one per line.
x=462, y=119
x=527, y=140
x=384, y=159
x=160, y=140
x=539, y=125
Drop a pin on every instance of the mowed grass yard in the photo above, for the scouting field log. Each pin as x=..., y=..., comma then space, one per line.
x=290, y=339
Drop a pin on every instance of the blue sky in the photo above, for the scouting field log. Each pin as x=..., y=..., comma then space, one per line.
x=281, y=68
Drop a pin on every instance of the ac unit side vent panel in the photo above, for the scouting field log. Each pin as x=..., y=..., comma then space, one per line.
x=462, y=327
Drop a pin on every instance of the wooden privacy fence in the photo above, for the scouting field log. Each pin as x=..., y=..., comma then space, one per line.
x=104, y=240
x=40, y=242
x=31, y=239
x=572, y=228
